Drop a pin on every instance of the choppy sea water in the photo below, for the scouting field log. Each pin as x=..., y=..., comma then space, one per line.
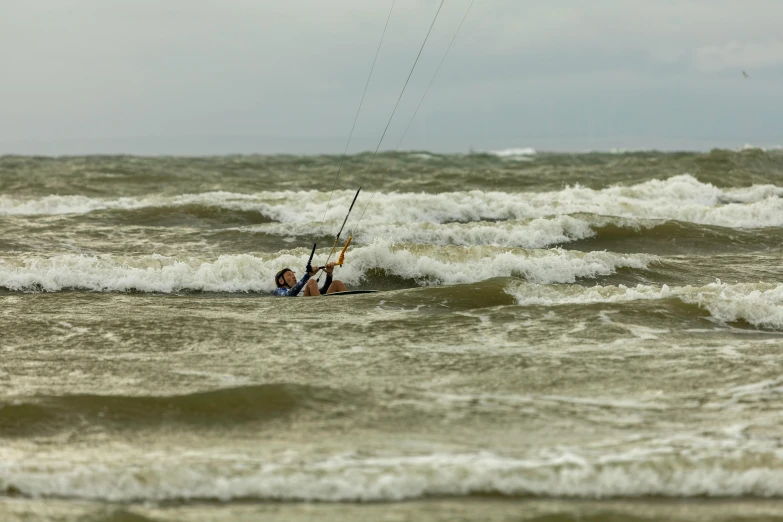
x=556, y=337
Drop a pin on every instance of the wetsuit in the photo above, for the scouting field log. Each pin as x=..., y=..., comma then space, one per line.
x=294, y=290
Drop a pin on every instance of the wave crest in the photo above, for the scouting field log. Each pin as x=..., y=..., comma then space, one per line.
x=419, y=264
x=354, y=478
x=681, y=198
x=758, y=304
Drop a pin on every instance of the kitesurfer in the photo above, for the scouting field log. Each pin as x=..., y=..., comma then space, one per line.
x=287, y=286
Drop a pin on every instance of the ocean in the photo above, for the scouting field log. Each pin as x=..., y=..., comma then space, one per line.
x=555, y=337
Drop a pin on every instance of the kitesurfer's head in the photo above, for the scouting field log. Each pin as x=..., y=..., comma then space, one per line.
x=286, y=278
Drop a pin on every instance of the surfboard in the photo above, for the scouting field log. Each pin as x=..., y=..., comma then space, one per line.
x=350, y=292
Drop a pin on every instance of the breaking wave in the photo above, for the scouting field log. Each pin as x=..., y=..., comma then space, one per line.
x=681, y=198
x=156, y=477
x=758, y=304
x=419, y=264
x=514, y=153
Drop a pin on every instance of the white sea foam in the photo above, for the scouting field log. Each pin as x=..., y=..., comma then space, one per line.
x=681, y=198
x=158, y=476
x=154, y=273
x=469, y=265
x=55, y=205
x=763, y=391
x=748, y=146
x=514, y=152
x=623, y=151
x=533, y=233
x=422, y=155
x=759, y=304
x=239, y=273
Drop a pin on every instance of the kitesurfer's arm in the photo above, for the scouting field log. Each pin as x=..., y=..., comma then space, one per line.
x=329, y=268
x=328, y=282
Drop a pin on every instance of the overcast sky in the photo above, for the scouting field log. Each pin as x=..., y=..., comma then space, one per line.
x=264, y=76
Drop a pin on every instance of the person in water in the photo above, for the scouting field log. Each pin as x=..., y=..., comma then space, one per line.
x=287, y=286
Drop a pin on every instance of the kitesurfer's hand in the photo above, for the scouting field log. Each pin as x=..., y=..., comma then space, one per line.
x=329, y=268
x=312, y=270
